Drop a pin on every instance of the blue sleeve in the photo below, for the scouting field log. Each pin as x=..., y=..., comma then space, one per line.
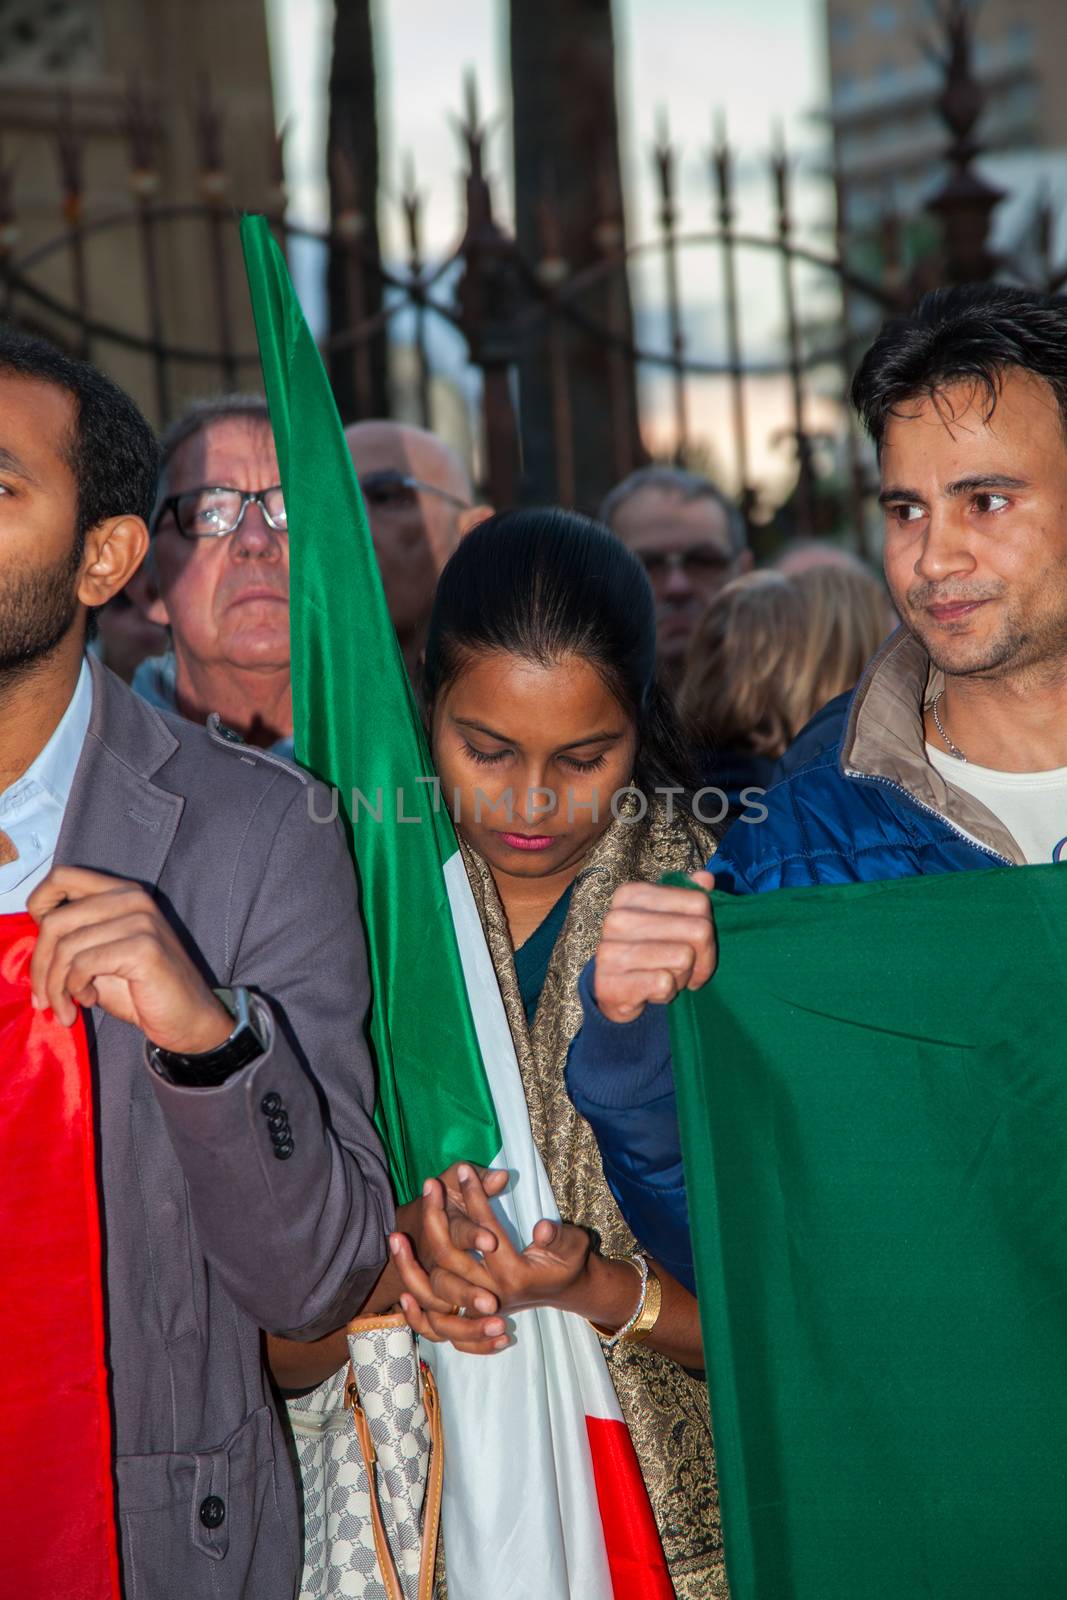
x=619, y=1078
x=729, y=872
x=740, y=865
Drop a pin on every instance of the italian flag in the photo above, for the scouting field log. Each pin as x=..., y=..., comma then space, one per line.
x=543, y=1496
x=55, y=1468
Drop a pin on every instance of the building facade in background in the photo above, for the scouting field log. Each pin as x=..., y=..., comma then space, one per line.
x=888, y=136
x=67, y=69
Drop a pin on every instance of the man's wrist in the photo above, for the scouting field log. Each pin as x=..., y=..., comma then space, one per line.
x=209, y=1028
x=243, y=1041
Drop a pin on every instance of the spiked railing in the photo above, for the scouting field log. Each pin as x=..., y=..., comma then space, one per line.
x=504, y=305
x=965, y=202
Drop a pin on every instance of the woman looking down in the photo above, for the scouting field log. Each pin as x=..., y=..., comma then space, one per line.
x=559, y=762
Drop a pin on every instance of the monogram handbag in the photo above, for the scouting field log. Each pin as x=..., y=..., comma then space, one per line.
x=368, y=1442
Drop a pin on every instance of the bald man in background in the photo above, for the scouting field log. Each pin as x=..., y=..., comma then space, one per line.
x=419, y=503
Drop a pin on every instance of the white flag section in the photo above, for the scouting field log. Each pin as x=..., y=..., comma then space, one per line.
x=520, y=1512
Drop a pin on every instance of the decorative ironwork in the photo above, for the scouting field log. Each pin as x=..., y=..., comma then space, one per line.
x=723, y=171
x=500, y=302
x=966, y=201
x=668, y=217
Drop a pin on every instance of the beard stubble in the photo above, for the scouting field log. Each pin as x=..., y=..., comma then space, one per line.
x=37, y=608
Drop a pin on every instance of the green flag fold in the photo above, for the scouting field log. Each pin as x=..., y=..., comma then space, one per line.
x=357, y=728
x=873, y=1103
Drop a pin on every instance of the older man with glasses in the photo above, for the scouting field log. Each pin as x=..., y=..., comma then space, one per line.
x=420, y=504
x=218, y=574
x=218, y=569
x=691, y=541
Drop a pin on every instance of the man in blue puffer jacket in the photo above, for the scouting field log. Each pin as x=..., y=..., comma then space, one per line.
x=954, y=751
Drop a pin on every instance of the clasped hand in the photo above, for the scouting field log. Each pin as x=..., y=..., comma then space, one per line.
x=457, y=1220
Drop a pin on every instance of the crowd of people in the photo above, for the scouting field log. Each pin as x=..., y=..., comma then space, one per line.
x=798, y=724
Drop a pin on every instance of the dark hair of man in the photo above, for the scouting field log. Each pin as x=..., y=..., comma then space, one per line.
x=967, y=335
x=677, y=481
x=200, y=414
x=545, y=584
x=112, y=451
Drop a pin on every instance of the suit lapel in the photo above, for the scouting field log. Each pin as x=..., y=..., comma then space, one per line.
x=117, y=820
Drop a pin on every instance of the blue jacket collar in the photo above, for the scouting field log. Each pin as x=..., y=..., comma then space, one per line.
x=885, y=739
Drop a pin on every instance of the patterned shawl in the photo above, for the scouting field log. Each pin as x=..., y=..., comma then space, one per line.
x=665, y=1408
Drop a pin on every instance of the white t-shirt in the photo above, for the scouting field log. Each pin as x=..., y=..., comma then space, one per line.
x=1031, y=805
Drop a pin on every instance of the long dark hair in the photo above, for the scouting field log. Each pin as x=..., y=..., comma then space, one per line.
x=547, y=583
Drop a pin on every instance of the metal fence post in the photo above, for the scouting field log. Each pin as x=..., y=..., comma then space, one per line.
x=965, y=202
x=722, y=170
x=487, y=299
x=411, y=201
x=805, y=469
x=668, y=215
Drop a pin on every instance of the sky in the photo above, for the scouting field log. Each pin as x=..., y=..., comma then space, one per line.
x=759, y=63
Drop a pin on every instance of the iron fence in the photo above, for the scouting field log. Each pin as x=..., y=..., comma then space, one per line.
x=501, y=304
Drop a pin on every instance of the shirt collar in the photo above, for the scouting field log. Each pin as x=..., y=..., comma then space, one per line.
x=53, y=771
x=156, y=680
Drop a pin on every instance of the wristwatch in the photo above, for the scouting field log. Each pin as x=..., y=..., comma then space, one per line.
x=212, y=1067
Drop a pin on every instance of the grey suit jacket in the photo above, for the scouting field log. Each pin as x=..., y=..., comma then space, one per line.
x=210, y=1237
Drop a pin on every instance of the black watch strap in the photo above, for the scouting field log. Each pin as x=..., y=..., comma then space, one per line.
x=212, y=1068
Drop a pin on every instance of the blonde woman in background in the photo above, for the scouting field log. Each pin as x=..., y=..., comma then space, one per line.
x=770, y=653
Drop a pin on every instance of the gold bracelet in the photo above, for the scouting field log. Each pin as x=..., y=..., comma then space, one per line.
x=646, y=1322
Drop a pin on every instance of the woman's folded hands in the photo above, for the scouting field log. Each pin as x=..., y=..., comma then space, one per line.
x=473, y=1274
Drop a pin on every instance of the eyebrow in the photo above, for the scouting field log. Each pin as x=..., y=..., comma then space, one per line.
x=9, y=462
x=959, y=486
x=609, y=736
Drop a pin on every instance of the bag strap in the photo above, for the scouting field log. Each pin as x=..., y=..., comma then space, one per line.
x=431, y=1525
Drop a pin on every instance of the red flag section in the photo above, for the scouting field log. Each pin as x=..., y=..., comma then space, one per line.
x=636, y=1561
x=58, y=1515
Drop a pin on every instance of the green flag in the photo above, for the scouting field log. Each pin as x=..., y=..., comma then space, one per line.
x=358, y=729
x=543, y=1494
x=873, y=1101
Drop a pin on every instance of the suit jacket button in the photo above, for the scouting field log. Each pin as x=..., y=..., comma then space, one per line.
x=212, y=1511
x=284, y=1149
x=278, y=1119
x=270, y=1103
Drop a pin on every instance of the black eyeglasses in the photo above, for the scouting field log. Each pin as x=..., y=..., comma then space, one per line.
x=212, y=513
x=393, y=491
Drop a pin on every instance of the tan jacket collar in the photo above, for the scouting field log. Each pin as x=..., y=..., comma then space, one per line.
x=885, y=738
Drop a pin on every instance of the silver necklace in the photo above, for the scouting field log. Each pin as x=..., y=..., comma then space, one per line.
x=953, y=748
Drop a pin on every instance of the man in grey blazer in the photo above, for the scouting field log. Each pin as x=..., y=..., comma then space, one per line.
x=208, y=927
